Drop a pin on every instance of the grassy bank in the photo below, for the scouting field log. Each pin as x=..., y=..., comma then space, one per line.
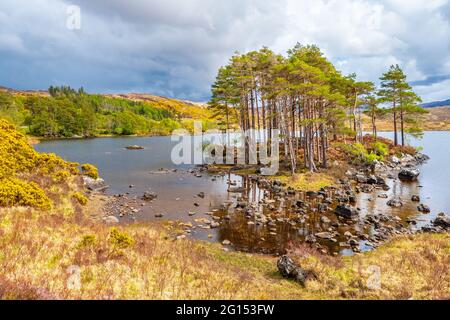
x=38, y=251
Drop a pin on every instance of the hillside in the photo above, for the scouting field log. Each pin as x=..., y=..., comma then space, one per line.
x=435, y=104
x=437, y=119
x=65, y=112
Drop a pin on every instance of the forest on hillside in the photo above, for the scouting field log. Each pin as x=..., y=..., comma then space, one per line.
x=311, y=102
x=67, y=112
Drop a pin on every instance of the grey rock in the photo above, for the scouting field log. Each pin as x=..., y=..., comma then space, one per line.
x=409, y=174
x=442, y=220
x=395, y=203
x=423, y=208
x=149, y=196
x=111, y=220
x=290, y=270
x=346, y=211
x=94, y=184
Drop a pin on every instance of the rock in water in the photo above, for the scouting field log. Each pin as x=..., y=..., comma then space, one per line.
x=290, y=270
x=346, y=211
x=395, y=203
x=423, y=208
x=409, y=174
x=442, y=220
x=415, y=198
x=134, y=147
x=149, y=196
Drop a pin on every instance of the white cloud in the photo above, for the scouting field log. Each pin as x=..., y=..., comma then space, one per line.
x=175, y=47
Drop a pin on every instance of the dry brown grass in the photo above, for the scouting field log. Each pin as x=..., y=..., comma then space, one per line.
x=37, y=250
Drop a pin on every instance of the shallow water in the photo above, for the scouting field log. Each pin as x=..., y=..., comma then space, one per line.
x=177, y=191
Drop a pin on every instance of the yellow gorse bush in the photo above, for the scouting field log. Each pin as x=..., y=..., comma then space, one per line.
x=16, y=192
x=90, y=170
x=22, y=169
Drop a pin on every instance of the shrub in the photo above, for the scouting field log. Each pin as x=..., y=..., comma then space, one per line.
x=82, y=199
x=88, y=241
x=360, y=153
x=60, y=176
x=90, y=170
x=380, y=149
x=120, y=240
x=15, y=192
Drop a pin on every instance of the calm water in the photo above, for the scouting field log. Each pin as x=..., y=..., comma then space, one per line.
x=177, y=191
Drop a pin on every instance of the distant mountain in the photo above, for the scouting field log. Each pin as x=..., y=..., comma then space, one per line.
x=434, y=104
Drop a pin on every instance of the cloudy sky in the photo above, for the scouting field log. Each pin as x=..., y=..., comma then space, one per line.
x=174, y=47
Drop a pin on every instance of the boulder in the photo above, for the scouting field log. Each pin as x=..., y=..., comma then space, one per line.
x=324, y=235
x=395, y=203
x=409, y=174
x=415, y=198
x=346, y=211
x=111, y=220
x=360, y=178
x=290, y=270
x=372, y=180
x=149, y=196
x=395, y=160
x=423, y=208
x=201, y=195
x=407, y=159
x=442, y=220
x=421, y=158
x=95, y=184
x=325, y=220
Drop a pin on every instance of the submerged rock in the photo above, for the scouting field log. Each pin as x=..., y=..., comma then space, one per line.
x=395, y=203
x=346, y=211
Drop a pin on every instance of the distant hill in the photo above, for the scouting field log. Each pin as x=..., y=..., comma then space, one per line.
x=437, y=119
x=435, y=104
x=69, y=113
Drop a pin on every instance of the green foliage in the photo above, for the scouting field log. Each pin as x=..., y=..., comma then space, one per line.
x=359, y=152
x=380, y=149
x=73, y=113
x=90, y=170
